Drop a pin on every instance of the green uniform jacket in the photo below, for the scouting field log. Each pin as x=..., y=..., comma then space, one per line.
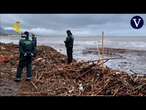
x=23, y=48
x=69, y=42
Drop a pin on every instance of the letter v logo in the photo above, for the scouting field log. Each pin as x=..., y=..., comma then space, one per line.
x=137, y=22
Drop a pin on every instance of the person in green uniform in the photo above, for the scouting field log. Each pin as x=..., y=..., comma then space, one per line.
x=69, y=46
x=34, y=41
x=26, y=50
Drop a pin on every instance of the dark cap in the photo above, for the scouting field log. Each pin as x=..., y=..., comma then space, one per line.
x=69, y=32
x=26, y=33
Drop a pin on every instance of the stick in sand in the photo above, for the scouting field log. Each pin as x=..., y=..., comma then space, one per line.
x=98, y=52
x=102, y=50
x=98, y=49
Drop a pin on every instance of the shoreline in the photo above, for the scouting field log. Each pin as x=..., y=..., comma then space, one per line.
x=109, y=51
x=129, y=59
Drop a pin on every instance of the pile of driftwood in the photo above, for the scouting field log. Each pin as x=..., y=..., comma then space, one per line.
x=86, y=79
x=53, y=77
x=81, y=79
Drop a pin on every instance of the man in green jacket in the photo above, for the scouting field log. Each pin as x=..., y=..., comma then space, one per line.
x=26, y=50
x=69, y=46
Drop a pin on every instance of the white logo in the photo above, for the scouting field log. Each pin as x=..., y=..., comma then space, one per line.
x=137, y=23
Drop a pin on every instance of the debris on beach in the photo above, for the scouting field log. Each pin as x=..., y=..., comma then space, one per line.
x=52, y=76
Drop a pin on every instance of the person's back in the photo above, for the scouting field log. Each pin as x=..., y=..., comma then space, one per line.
x=34, y=40
x=69, y=45
x=26, y=50
x=69, y=41
x=27, y=46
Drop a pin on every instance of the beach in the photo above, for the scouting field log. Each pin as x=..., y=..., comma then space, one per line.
x=52, y=76
x=131, y=60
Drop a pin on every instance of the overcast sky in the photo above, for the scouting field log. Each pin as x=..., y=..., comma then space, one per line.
x=80, y=24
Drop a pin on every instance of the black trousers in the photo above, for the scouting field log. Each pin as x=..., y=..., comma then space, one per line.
x=69, y=54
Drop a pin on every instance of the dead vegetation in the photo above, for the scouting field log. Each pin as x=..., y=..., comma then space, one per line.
x=53, y=77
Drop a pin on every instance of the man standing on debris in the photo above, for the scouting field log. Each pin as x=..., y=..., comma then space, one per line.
x=34, y=41
x=69, y=46
x=26, y=49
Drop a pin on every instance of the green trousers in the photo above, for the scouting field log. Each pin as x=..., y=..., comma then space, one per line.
x=24, y=62
x=69, y=54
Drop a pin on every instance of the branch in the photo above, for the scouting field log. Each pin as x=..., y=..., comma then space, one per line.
x=34, y=85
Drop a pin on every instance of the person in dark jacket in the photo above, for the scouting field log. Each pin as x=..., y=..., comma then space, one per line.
x=26, y=50
x=34, y=41
x=69, y=46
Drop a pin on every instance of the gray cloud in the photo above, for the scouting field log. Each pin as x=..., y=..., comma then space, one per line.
x=81, y=24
